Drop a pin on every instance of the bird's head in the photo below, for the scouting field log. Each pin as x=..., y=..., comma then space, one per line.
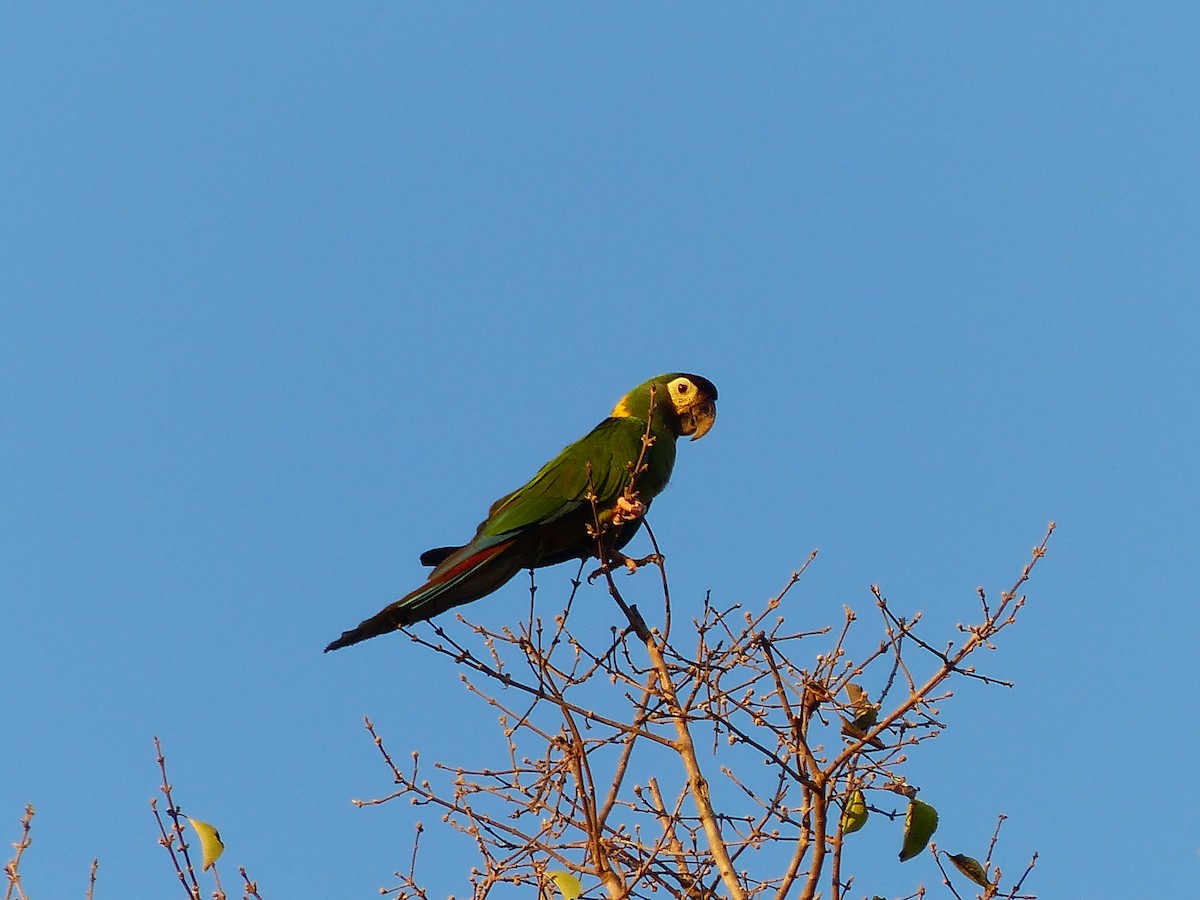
x=688, y=402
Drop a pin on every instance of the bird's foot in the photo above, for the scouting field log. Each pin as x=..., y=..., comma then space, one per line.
x=620, y=559
x=654, y=559
x=628, y=508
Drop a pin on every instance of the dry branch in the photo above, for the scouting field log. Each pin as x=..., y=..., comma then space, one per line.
x=603, y=776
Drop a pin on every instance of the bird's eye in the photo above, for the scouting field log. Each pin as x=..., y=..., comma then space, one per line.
x=683, y=387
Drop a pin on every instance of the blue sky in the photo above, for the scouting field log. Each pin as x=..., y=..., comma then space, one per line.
x=292, y=293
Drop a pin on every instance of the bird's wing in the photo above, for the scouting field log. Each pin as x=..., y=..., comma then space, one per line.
x=562, y=485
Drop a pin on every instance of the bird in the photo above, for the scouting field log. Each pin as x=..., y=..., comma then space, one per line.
x=608, y=477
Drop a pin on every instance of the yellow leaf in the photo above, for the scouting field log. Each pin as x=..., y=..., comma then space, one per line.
x=852, y=730
x=211, y=844
x=854, y=813
x=919, y=826
x=567, y=883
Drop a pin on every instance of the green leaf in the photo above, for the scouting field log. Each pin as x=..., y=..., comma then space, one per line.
x=567, y=883
x=211, y=844
x=970, y=867
x=866, y=713
x=854, y=813
x=868, y=718
x=919, y=826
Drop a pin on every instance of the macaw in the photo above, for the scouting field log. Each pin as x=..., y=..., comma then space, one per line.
x=551, y=519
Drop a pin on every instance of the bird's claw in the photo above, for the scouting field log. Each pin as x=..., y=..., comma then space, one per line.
x=616, y=558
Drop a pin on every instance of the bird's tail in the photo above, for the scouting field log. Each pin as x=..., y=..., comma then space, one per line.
x=437, y=555
x=460, y=578
x=382, y=622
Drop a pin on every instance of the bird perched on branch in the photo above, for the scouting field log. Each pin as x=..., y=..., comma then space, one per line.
x=608, y=478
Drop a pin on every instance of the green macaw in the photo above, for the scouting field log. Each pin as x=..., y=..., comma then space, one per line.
x=547, y=521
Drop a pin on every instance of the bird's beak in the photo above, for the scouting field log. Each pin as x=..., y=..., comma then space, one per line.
x=699, y=419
